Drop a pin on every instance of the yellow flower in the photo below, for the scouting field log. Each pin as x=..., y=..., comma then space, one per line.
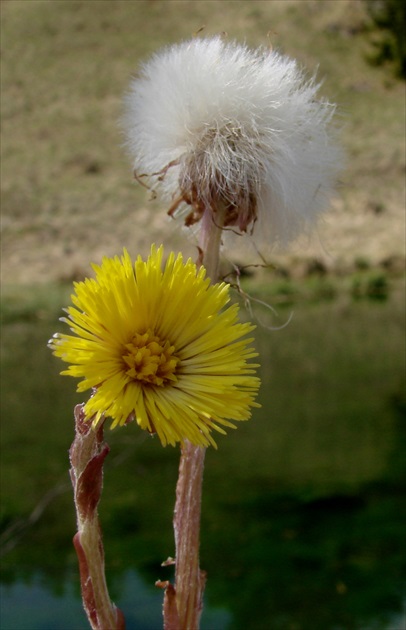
x=156, y=345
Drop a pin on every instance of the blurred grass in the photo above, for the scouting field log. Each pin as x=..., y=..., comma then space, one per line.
x=67, y=190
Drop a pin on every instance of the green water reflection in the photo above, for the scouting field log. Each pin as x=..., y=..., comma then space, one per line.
x=303, y=513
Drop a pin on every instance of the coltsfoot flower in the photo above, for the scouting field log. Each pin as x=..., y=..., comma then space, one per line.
x=157, y=345
x=213, y=123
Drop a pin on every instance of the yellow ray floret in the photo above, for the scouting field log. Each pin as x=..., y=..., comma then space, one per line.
x=156, y=344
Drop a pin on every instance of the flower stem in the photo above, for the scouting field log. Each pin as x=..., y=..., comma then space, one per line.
x=189, y=579
x=210, y=241
x=87, y=455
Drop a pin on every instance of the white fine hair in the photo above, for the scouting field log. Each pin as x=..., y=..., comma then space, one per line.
x=210, y=121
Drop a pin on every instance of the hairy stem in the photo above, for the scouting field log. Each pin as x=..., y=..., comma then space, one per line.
x=87, y=455
x=210, y=241
x=190, y=579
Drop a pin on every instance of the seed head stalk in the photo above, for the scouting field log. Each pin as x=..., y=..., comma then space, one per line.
x=189, y=578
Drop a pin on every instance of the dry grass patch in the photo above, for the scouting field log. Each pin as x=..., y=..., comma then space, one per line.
x=68, y=196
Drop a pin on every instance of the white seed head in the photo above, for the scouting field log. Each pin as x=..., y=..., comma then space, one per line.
x=211, y=122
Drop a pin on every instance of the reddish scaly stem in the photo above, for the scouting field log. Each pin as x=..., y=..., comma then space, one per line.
x=190, y=580
x=87, y=455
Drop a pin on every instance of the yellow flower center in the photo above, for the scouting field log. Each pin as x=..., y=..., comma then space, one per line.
x=150, y=359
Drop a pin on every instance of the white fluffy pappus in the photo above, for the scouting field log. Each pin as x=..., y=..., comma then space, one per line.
x=210, y=122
